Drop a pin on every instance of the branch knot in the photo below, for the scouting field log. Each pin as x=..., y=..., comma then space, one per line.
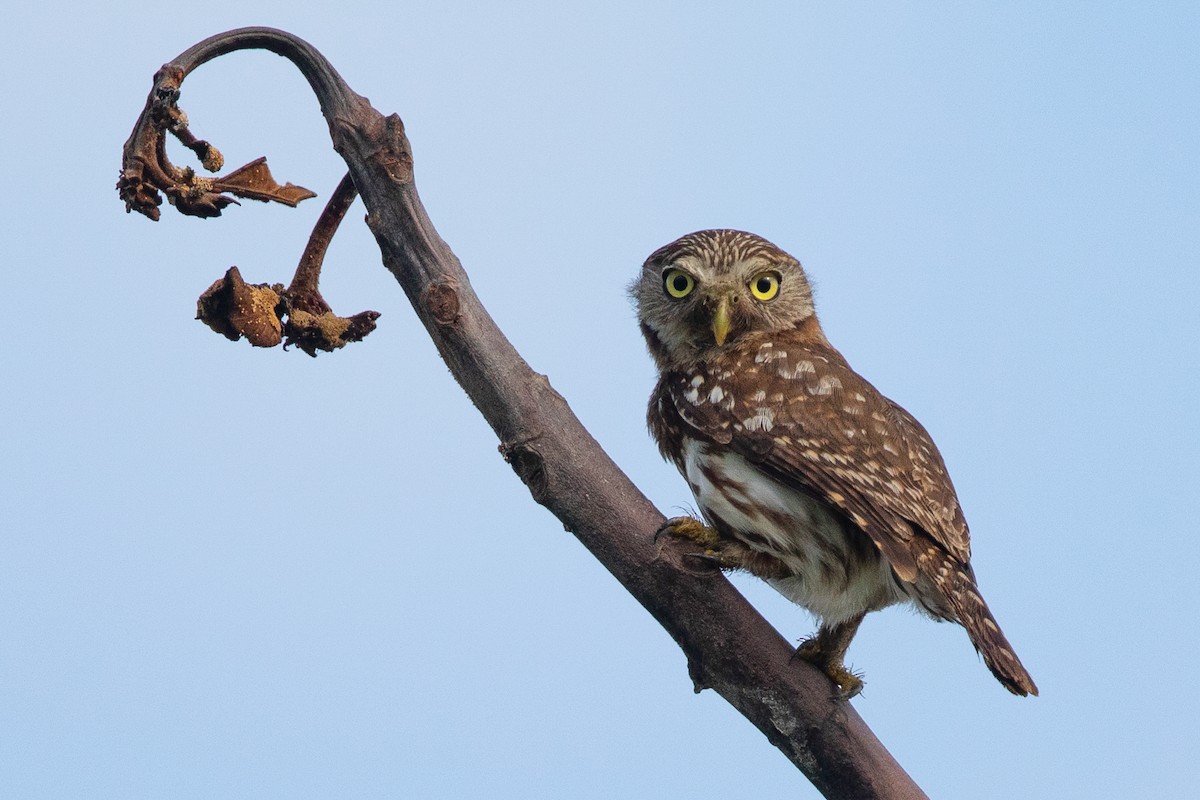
x=441, y=301
x=529, y=465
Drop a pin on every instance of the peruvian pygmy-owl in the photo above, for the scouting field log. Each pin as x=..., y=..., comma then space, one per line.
x=804, y=473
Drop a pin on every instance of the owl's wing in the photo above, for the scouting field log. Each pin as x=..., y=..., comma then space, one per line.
x=809, y=421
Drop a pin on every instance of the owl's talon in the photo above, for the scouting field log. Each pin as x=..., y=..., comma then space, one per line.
x=707, y=557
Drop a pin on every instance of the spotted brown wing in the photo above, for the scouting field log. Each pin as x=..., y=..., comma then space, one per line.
x=806, y=419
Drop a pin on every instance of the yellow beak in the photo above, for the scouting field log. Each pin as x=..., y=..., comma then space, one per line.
x=720, y=321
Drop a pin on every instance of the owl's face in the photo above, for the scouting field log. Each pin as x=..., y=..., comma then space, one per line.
x=708, y=289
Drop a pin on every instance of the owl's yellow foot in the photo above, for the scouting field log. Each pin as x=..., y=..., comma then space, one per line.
x=827, y=650
x=721, y=551
x=849, y=684
x=724, y=551
x=692, y=529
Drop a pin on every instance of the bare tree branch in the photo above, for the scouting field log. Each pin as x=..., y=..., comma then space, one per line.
x=730, y=648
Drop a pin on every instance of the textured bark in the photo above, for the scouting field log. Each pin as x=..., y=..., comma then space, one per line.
x=730, y=648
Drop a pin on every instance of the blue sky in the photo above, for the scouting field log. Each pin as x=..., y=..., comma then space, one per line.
x=236, y=573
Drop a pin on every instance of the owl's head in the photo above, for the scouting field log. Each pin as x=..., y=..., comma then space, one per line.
x=707, y=290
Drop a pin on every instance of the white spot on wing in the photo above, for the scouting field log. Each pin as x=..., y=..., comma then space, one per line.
x=763, y=420
x=798, y=369
x=825, y=385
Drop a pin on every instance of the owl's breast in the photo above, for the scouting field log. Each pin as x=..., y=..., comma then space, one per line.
x=838, y=571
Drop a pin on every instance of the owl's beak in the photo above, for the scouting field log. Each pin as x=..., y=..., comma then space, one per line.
x=720, y=320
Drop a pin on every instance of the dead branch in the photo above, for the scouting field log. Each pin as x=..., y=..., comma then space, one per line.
x=730, y=648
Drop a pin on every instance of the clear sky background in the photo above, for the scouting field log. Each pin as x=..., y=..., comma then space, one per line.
x=231, y=573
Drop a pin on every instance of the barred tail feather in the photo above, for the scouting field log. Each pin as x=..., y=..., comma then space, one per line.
x=989, y=640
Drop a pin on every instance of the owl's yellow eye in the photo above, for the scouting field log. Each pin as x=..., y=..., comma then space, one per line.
x=678, y=283
x=765, y=286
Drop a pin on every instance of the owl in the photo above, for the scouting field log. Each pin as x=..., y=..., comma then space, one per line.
x=804, y=474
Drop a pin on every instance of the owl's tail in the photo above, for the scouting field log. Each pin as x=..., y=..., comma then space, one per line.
x=989, y=640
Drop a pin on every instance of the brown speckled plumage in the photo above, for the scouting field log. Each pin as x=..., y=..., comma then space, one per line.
x=813, y=479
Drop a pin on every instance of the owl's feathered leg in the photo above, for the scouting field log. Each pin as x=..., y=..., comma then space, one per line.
x=827, y=652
